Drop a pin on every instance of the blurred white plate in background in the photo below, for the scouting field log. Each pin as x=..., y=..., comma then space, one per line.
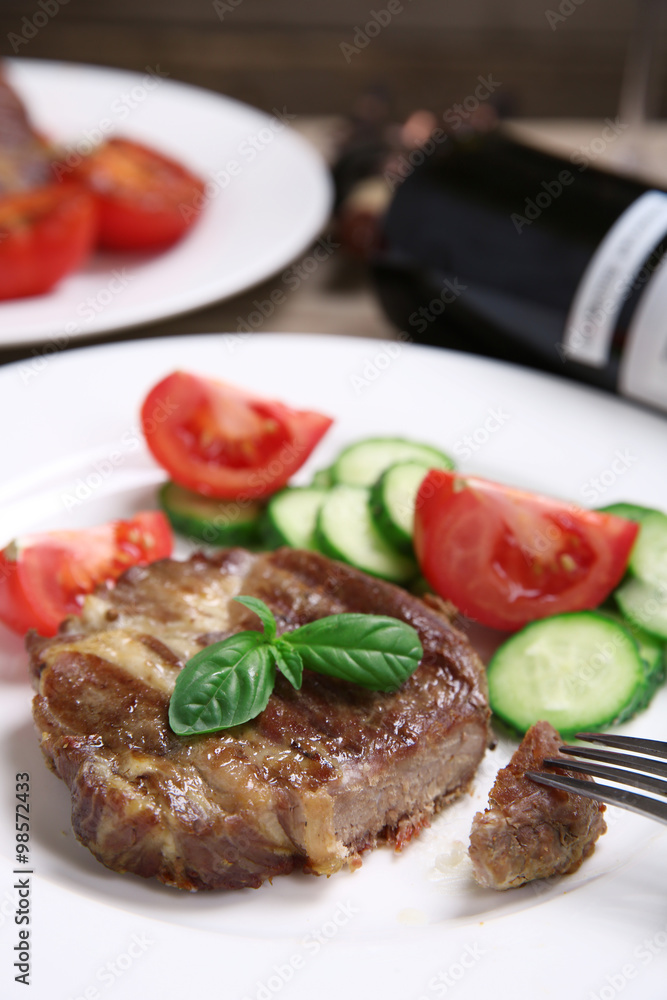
x=260, y=215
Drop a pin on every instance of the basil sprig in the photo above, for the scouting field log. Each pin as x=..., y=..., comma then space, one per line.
x=231, y=681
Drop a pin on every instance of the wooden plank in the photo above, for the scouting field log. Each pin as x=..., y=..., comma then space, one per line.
x=549, y=74
x=590, y=16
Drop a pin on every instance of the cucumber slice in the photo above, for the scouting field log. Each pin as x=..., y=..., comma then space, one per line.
x=393, y=502
x=345, y=531
x=630, y=511
x=648, y=559
x=579, y=671
x=322, y=479
x=363, y=463
x=291, y=517
x=651, y=649
x=644, y=604
x=217, y=522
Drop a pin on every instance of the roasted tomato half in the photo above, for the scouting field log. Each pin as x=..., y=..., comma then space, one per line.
x=222, y=441
x=44, y=577
x=44, y=234
x=506, y=557
x=145, y=200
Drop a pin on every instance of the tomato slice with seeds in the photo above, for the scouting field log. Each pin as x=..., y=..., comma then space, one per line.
x=224, y=442
x=43, y=577
x=44, y=234
x=145, y=200
x=506, y=557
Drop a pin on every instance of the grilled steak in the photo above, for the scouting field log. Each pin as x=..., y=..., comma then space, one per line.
x=530, y=831
x=322, y=774
x=24, y=155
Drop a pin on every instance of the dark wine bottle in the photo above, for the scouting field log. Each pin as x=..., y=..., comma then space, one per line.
x=495, y=247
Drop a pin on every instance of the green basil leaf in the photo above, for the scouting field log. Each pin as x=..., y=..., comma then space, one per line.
x=226, y=684
x=374, y=651
x=263, y=612
x=289, y=662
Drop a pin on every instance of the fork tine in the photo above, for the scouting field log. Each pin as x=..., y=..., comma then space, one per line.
x=655, y=747
x=614, y=796
x=643, y=781
x=623, y=759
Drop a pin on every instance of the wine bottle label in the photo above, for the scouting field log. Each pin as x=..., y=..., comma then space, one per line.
x=612, y=275
x=643, y=370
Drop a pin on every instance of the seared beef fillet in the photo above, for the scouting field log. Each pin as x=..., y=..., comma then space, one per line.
x=322, y=774
x=24, y=155
x=530, y=831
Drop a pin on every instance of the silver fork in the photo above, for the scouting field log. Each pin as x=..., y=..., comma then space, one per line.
x=633, y=770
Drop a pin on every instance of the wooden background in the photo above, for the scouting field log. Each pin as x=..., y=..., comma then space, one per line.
x=288, y=52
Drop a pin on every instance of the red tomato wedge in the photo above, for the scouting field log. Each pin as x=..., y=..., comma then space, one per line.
x=222, y=441
x=506, y=557
x=44, y=234
x=43, y=577
x=145, y=200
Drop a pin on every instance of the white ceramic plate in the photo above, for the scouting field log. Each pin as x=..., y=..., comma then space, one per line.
x=256, y=220
x=408, y=926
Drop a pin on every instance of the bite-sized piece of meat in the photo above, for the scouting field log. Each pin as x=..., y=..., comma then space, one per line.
x=25, y=159
x=530, y=831
x=318, y=777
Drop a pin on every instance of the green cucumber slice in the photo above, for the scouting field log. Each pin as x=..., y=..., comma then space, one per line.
x=217, y=522
x=630, y=511
x=644, y=604
x=579, y=671
x=651, y=649
x=363, y=463
x=322, y=479
x=345, y=531
x=648, y=559
x=291, y=516
x=393, y=502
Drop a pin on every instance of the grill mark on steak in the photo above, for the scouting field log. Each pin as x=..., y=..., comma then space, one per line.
x=321, y=774
x=162, y=651
x=530, y=831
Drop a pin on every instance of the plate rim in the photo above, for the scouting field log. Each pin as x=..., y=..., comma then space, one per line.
x=491, y=929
